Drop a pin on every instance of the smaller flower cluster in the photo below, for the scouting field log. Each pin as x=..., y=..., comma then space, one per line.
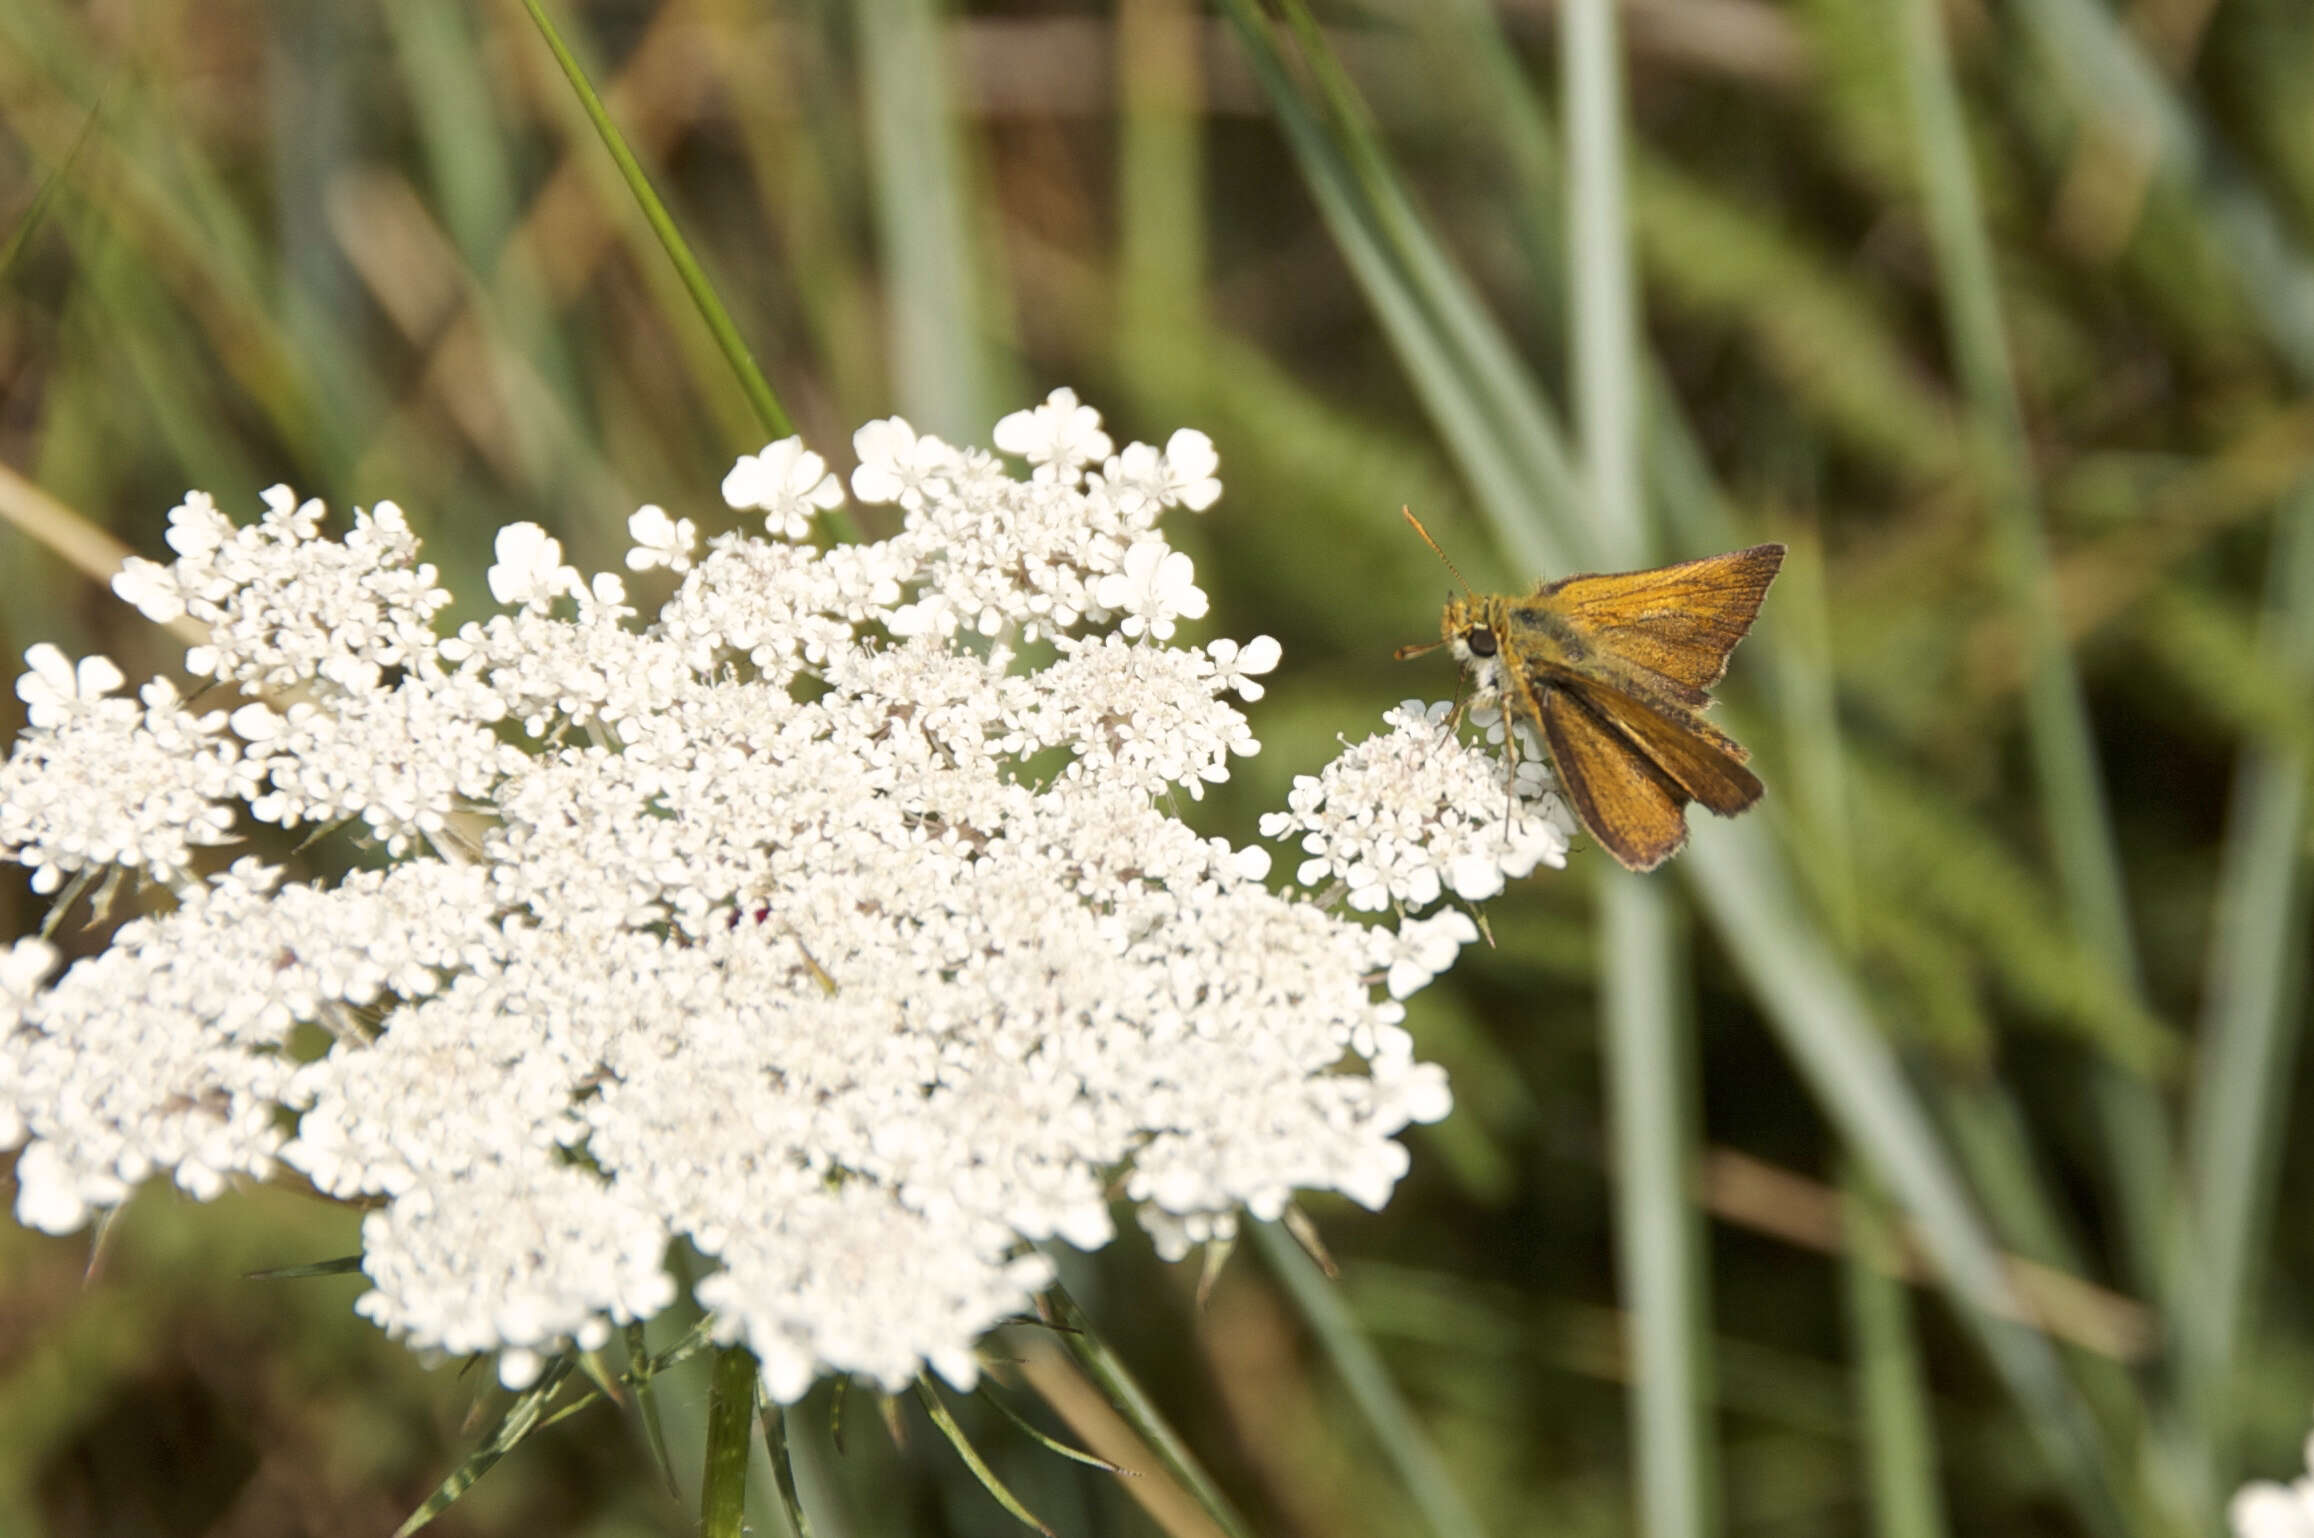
x=284, y=606
x=1405, y=817
x=100, y=782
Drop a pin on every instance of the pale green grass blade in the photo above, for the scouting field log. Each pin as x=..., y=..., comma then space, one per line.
x=1813, y=1005
x=1989, y=1134
x=1642, y=982
x=441, y=52
x=1650, y=1069
x=1710, y=255
x=944, y=377
x=1899, y=1435
x=2064, y=759
x=2254, y=1016
x=1402, y=1440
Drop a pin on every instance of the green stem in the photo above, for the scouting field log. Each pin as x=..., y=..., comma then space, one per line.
x=730, y=1418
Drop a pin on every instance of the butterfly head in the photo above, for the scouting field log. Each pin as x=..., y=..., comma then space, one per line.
x=1472, y=629
x=1469, y=630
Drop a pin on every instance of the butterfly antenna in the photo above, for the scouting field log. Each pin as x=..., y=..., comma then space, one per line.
x=1435, y=550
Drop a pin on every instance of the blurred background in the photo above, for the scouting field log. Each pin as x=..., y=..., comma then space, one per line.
x=2001, y=315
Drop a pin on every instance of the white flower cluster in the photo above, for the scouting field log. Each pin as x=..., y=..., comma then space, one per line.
x=1401, y=818
x=2265, y=1508
x=831, y=920
x=101, y=783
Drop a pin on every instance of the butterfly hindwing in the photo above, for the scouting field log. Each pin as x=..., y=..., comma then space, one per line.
x=1636, y=811
x=1629, y=770
x=1679, y=622
x=1704, y=762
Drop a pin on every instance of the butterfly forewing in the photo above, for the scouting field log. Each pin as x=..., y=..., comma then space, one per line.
x=1679, y=622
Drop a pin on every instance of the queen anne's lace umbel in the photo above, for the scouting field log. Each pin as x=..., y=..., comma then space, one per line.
x=833, y=921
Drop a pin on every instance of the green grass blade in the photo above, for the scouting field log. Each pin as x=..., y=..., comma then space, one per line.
x=640, y=1371
x=439, y=53
x=783, y=1471
x=343, y=1265
x=36, y=214
x=522, y=1417
x=768, y=411
x=1812, y=1003
x=1051, y=1444
x=936, y=1408
x=1402, y=1440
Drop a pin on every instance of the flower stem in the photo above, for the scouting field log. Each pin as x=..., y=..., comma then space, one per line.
x=730, y=1423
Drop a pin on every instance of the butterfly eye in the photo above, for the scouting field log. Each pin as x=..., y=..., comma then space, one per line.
x=1480, y=641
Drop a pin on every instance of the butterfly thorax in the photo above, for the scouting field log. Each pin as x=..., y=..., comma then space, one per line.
x=1521, y=646
x=1521, y=633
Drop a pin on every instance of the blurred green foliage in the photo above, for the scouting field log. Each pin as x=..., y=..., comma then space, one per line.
x=2025, y=387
